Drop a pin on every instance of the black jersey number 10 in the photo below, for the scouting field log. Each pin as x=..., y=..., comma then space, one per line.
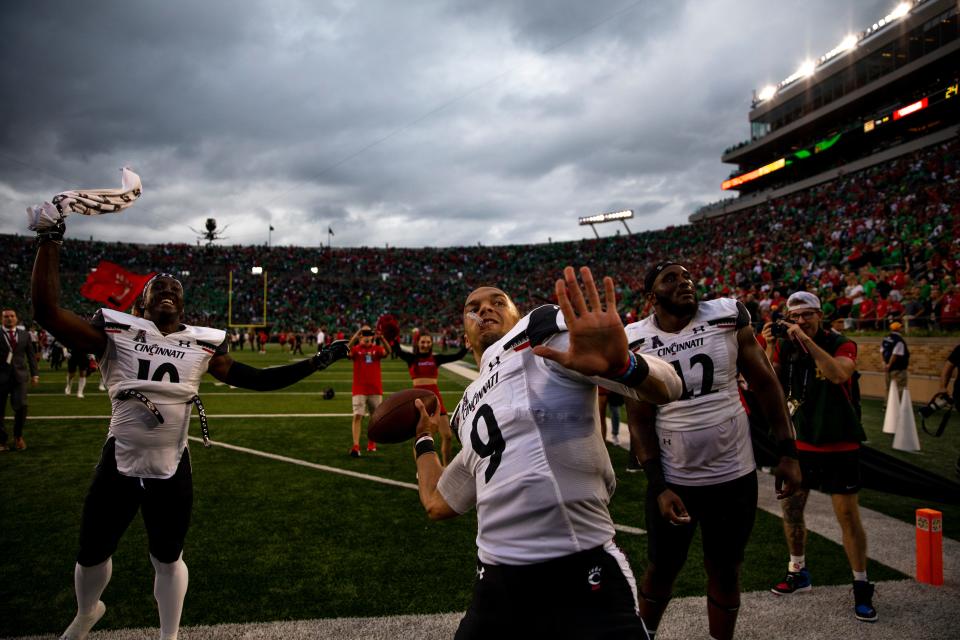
x=706, y=380
x=165, y=369
x=494, y=447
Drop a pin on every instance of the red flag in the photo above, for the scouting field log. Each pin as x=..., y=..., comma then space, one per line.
x=113, y=285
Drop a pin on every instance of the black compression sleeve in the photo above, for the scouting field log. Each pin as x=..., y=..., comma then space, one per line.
x=450, y=357
x=403, y=355
x=271, y=378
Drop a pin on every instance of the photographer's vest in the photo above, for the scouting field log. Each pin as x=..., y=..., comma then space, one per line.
x=888, y=345
x=828, y=412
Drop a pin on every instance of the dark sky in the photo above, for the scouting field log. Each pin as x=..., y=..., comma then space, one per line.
x=403, y=123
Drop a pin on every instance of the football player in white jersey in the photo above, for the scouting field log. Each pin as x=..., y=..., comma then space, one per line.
x=535, y=466
x=697, y=452
x=152, y=364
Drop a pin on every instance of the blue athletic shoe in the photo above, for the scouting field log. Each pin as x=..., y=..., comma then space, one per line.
x=795, y=582
x=863, y=601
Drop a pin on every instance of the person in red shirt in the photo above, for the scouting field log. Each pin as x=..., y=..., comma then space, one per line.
x=424, y=369
x=367, y=349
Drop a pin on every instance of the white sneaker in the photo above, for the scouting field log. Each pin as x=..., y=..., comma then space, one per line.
x=66, y=390
x=81, y=625
x=79, y=395
x=102, y=388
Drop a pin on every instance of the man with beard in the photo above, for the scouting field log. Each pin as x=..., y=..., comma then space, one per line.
x=152, y=364
x=424, y=368
x=535, y=467
x=697, y=452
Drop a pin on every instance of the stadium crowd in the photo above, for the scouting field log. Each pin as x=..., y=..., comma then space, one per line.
x=874, y=245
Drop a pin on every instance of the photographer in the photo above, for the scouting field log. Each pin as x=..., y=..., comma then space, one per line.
x=367, y=349
x=816, y=368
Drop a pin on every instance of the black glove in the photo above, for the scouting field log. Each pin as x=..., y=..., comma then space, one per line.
x=336, y=350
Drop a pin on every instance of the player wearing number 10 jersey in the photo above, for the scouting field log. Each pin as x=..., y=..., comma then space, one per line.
x=696, y=451
x=152, y=364
x=535, y=467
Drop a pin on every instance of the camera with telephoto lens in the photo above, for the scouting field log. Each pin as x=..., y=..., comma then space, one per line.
x=779, y=329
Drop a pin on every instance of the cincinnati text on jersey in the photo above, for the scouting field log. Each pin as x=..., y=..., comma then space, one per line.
x=157, y=350
x=468, y=405
x=676, y=347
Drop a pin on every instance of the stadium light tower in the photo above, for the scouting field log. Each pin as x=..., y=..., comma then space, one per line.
x=613, y=216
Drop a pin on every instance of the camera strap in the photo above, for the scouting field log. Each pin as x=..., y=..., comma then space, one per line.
x=943, y=423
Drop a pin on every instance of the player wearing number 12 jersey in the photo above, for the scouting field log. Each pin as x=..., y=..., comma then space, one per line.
x=152, y=364
x=535, y=467
x=696, y=451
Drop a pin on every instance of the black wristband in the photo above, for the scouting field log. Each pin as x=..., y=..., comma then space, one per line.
x=54, y=233
x=424, y=445
x=787, y=448
x=637, y=371
x=656, y=482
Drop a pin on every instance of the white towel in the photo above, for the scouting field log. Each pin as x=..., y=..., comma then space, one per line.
x=88, y=203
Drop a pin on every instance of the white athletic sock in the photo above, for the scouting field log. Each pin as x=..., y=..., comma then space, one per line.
x=170, y=588
x=797, y=563
x=81, y=383
x=89, y=583
x=66, y=389
x=860, y=575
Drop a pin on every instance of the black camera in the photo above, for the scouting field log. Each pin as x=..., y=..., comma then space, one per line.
x=779, y=329
x=366, y=332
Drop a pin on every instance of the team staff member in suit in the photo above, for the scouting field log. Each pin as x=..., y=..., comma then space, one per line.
x=152, y=364
x=816, y=367
x=697, y=452
x=424, y=368
x=17, y=356
x=535, y=467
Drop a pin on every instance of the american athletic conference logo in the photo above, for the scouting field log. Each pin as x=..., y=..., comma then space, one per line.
x=593, y=578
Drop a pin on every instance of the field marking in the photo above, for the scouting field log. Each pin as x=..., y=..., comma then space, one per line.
x=209, y=415
x=354, y=474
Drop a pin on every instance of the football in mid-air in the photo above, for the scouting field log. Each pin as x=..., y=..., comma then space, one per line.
x=395, y=420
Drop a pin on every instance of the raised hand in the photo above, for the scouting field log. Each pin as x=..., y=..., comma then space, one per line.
x=598, y=343
x=336, y=350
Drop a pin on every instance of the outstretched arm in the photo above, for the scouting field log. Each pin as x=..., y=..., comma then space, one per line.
x=403, y=355
x=236, y=374
x=446, y=358
x=66, y=326
x=598, y=342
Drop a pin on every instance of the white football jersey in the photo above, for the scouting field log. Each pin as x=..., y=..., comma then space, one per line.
x=533, y=461
x=164, y=368
x=704, y=436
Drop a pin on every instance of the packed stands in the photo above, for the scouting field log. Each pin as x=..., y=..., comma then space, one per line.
x=875, y=244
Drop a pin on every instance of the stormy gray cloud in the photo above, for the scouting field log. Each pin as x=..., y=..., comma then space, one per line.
x=409, y=124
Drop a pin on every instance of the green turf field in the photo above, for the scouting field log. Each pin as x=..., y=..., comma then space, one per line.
x=273, y=540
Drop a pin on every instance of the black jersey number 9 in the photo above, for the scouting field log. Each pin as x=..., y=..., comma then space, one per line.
x=706, y=380
x=492, y=448
x=165, y=369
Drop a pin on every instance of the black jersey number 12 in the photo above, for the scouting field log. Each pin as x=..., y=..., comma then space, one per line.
x=494, y=447
x=706, y=380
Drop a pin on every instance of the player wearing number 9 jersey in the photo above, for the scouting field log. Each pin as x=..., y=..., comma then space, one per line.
x=696, y=451
x=535, y=467
x=153, y=364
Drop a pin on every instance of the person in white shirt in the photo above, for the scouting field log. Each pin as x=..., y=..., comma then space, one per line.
x=535, y=467
x=152, y=364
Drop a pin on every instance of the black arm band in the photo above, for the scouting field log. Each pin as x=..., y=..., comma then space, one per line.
x=54, y=233
x=787, y=449
x=656, y=482
x=269, y=379
x=637, y=371
x=424, y=445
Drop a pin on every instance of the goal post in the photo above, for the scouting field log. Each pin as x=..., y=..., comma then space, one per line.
x=241, y=323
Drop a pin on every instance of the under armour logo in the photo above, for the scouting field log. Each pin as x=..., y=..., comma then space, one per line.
x=494, y=363
x=184, y=343
x=480, y=571
x=656, y=342
x=141, y=336
x=697, y=330
x=667, y=441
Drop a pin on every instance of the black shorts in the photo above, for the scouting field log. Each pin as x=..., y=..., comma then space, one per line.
x=589, y=595
x=113, y=501
x=725, y=513
x=834, y=472
x=78, y=361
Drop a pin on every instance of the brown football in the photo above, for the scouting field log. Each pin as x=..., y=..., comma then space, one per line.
x=395, y=420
